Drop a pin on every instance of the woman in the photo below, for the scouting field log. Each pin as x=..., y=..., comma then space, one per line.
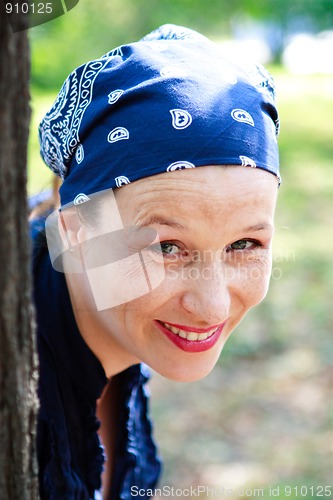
x=154, y=261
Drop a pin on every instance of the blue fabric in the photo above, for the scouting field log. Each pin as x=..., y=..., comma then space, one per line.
x=41, y=197
x=170, y=101
x=71, y=379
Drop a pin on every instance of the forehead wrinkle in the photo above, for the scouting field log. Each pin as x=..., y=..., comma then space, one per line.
x=153, y=211
x=201, y=188
x=191, y=198
x=181, y=207
x=209, y=180
x=185, y=180
x=168, y=186
x=165, y=201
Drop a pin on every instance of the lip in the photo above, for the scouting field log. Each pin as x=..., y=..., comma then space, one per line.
x=191, y=345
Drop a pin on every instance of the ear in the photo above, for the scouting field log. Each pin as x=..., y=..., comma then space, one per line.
x=69, y=226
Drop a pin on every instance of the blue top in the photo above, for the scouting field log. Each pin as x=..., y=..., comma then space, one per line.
x=71, y=379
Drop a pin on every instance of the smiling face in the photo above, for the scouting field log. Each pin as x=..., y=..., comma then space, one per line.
x=215, y=226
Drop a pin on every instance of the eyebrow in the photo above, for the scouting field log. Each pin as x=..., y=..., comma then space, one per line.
x=157, y=219
x=258, y=227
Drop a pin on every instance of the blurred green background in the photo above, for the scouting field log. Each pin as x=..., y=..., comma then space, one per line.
x=264, y=417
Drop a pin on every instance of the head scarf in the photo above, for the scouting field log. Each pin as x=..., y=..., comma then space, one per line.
x=173, y=100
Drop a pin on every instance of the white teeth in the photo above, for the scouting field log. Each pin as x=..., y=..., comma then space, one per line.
x=190, y=335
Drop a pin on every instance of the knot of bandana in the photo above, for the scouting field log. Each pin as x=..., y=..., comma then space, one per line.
x=173, y=100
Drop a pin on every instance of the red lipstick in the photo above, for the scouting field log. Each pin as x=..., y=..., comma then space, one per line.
x=191, y=345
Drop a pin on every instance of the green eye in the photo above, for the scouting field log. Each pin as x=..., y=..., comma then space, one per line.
x=240, y=244
x=166, y=248
x=243, y=245
x=169, y=248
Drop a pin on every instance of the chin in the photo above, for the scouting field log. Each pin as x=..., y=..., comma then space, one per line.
x=188, y=376
x=186, y=372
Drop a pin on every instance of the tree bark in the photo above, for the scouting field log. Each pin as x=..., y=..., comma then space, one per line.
x=18, y=361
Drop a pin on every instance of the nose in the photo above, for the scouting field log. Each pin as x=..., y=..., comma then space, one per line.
x=206, y=294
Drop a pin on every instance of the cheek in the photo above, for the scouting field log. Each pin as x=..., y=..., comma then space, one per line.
x=162, y=300
x=144, y=307
x=254, y=282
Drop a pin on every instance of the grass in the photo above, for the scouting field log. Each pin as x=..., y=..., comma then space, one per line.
x=264, y=417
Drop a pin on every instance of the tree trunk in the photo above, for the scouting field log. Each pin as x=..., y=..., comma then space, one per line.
x=18, y=361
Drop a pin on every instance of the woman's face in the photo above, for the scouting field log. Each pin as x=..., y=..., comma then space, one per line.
x=215, y=227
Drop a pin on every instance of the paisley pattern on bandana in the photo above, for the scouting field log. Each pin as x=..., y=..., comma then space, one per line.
x=173, y=100
x=59, y=131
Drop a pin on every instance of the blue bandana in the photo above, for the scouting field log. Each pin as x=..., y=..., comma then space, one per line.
x=173, y=100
